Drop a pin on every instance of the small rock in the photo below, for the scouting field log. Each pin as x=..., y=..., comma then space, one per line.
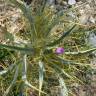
x=71, y=2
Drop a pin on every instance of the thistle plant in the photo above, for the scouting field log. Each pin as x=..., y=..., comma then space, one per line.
x=44, y=50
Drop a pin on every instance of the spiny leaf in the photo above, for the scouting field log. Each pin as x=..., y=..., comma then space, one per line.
x=63, y=61
x=14, y=80
x=25, y=9
x=43, y=5
x=49, y=51
x=41, y=73
x=27, y=12
x=16, y=48
x=64, y=90
x=60, y=70
x=24, y=69
x=54, y=22
x=7, y=35
x=80, y=52
x=62, y=37
x=33, y=87
x=8, y=69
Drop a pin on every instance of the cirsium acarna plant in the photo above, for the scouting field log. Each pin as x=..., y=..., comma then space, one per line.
x=41, y=47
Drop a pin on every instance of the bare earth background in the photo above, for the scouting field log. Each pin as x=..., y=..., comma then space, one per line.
x=85, y=13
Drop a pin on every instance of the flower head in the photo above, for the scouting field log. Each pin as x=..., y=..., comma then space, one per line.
x=59, y=50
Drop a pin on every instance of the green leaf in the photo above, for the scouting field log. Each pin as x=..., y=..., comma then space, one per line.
x=43, y=6
x=80, y=52
x=16, y=48
x=41, y=73
x=25, y=9
x=12, y=83
x=60, y=70
x=62, y=37
x=24, y=67
x=63, y=61
x=8, y=69
x=7, y=35
x=64, y=90
x=33, y=87
x=27, y=12
x=54, y=22
x=50, y=51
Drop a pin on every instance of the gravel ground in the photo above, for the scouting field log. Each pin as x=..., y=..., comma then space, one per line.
x=85, y=14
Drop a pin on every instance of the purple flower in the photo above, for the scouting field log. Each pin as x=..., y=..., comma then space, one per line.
x=59, y=50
